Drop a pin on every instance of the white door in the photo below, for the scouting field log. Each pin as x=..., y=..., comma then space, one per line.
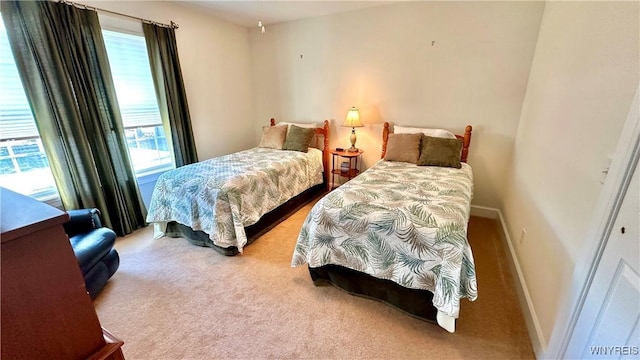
x=607, y=326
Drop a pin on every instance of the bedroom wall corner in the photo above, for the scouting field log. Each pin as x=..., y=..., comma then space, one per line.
x=524, y=297
x=583, y=78
x=417, y=63
x=536, y=334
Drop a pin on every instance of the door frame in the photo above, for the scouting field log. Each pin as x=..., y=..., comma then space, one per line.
x=616, y=183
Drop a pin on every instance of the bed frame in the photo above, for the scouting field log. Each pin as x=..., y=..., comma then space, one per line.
x=414, y=302
x=272, y=218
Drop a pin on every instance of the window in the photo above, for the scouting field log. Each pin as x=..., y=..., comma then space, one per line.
x=136, y=94
x=24, y=167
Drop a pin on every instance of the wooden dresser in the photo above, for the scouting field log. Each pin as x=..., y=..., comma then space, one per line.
x=45, y=308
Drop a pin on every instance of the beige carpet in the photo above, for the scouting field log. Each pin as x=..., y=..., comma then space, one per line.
x=174, y=300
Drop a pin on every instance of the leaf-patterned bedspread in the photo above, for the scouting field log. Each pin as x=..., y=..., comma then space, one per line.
x=400, y=222
x=221, y=196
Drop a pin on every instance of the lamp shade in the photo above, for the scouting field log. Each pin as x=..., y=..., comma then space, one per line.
x=353, y=118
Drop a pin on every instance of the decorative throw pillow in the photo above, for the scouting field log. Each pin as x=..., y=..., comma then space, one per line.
x=273, y=137
x=304, y=125
x=403, y=147
x=440, y=152
x=298, y=138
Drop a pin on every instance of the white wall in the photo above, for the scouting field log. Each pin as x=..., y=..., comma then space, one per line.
x=382, y=61
x=583, y=78
x=215, y=61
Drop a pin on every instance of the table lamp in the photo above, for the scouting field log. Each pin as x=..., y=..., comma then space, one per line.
x=353, y=121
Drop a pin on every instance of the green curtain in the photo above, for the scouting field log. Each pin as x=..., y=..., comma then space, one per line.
x=63, y=65
x=172, y=98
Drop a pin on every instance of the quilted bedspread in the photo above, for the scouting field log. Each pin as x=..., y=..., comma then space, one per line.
x=221, y=196
x=400, y=222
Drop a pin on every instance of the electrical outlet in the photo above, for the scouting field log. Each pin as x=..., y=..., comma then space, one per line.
x=522, y=234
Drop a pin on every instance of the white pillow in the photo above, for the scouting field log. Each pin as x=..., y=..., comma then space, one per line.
x=302, y=125
x=429, y=132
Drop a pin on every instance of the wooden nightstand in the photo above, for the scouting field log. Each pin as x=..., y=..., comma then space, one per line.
x=353, y=159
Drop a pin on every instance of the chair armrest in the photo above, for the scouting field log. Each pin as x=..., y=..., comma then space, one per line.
x=82, y=221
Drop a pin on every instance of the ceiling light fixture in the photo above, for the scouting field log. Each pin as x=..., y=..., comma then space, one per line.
x=260, y=25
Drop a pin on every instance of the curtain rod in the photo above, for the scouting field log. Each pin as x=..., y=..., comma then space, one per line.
x=83, y=6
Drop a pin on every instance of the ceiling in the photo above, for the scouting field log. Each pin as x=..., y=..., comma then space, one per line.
x=247, y=13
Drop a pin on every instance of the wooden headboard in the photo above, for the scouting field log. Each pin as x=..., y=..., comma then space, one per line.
x=324, y=132
x=466, y=140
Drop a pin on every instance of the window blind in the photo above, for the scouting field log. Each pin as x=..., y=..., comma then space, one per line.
x=131, y=73
x=16, y=119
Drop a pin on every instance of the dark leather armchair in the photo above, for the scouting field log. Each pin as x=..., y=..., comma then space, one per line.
x=93, y=246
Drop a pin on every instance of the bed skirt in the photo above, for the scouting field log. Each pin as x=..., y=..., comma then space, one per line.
x=414, y=302
x=266, y=222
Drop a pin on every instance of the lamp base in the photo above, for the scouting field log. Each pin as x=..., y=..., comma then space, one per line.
x=353, y=147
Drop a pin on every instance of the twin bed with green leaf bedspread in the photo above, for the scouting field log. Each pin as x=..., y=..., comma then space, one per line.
x=399, y=222
x=228, y=201
x=223, y=195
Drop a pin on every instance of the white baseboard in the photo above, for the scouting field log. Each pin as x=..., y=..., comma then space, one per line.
x=526, y=304
x=485, y=212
